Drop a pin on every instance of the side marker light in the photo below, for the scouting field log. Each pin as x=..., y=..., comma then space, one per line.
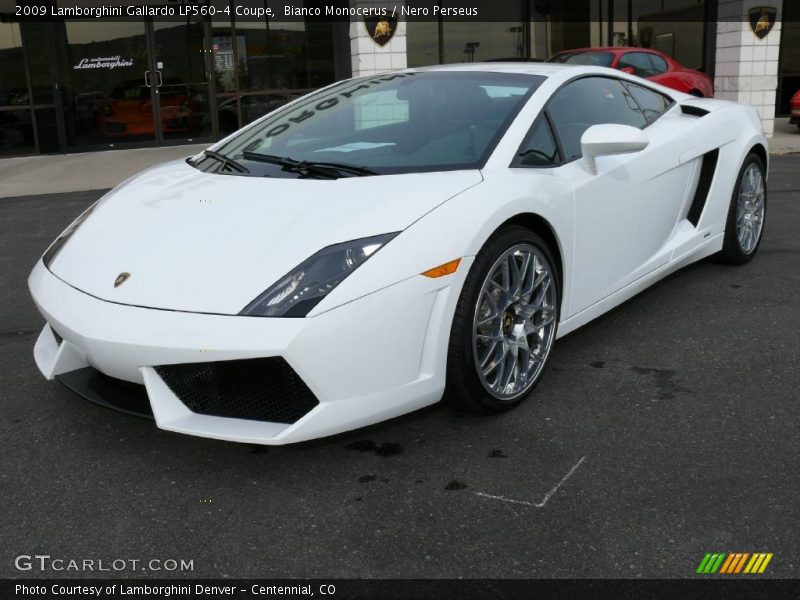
x=447, y=268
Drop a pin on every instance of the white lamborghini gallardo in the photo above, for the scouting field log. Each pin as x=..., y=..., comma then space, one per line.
x=388, y=241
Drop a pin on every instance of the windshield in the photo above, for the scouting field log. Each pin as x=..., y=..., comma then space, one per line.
x=594, y=59
x=395, y=123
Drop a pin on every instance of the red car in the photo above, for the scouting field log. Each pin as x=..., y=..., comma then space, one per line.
x=128, y=110
x=795, y=118
x=644, y=62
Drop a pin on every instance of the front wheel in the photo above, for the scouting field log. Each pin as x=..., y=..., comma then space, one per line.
x=748, y=208
x=504, y=325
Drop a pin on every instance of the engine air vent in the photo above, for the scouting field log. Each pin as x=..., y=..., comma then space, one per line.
x=693, y=111
x=707, y=171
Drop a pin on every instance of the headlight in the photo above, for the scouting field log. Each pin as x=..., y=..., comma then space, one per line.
x=300, y=290
x=56, y=246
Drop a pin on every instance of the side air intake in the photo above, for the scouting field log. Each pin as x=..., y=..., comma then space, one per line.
x=707, y=171
x=693, y=111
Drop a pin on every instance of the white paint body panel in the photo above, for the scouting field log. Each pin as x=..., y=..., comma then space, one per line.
x=176, y=229
x=201, y=246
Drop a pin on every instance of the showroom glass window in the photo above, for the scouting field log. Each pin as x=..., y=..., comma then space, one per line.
x=223, y=61
x=40, y=60
x=452, y=41
x=476, y=42
x=422, y=43
x=789, y=65
x=261, y=65
x=280, y=63
x=180, y=77
x=431, y=42
x=103, y=91
x=610, y=101
x=13, y=82
x=674, y=27
x=16, y=116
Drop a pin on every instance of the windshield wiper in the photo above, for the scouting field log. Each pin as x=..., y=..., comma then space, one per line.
x=306, y=167
x=355, y=170
x=226, y=161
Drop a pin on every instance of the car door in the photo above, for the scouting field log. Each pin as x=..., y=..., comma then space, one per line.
x=627, y=212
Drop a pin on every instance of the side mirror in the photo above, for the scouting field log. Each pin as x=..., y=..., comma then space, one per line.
x=610, y=139
x=628, y=70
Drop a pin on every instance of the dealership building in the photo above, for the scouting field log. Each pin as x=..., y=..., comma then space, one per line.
x=72, y=85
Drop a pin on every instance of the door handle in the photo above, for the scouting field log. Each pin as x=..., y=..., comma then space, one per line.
x=147, y=78
x=160, y=79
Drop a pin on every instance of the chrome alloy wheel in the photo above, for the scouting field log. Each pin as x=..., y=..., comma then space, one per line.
x=515, y=322
x=750, y=208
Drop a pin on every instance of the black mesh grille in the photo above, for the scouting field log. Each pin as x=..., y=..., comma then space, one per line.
x=259, y=389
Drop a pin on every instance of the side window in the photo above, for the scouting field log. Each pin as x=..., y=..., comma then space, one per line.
x=652, y=103
x=539, y=149
x=659, y=65
x=639, y=62
x=591, y=101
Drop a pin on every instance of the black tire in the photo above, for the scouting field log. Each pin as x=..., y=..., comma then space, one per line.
x=464, y=390
x=732, y=252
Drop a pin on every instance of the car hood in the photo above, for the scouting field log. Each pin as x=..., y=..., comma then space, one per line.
x=211, y=243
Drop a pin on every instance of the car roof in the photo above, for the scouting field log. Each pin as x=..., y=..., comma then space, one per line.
x=555, y=73
x=534, y=68
x=531, y=68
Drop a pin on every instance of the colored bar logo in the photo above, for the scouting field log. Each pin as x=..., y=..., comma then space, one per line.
x=734, y=563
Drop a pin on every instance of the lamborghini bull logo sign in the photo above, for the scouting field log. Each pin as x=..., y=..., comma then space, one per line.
x=381, y=29
x=762, y=20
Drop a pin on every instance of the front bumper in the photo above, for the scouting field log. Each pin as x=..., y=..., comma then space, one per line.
x=366, y=361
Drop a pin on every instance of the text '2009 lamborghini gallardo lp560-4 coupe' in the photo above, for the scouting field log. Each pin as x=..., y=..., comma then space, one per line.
x=389, y=241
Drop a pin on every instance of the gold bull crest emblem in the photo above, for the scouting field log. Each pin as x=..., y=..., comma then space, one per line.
x=762, y=20
x=381, y=29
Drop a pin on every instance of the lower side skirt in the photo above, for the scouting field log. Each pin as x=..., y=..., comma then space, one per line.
x=123, y=396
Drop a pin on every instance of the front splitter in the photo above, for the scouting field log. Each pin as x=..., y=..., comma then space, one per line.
x=122, y=396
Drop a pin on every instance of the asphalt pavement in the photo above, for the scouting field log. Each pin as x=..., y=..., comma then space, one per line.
x=664, y=430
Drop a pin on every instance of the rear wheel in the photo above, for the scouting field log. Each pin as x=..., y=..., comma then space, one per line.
x=748, y=208
x=504, y=325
